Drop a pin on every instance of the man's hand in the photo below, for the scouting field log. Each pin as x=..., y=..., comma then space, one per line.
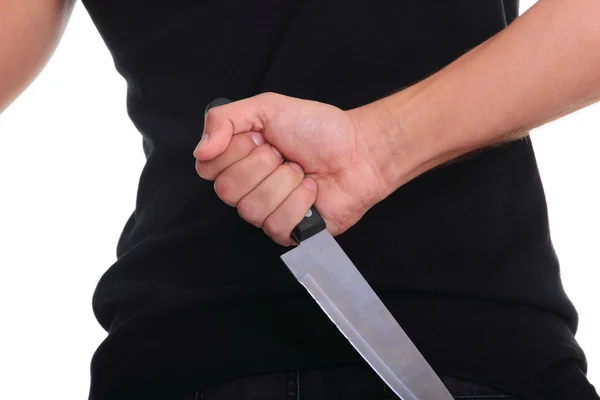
x=274, y=156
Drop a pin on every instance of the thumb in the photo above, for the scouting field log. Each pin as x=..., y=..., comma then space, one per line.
x=223, y=119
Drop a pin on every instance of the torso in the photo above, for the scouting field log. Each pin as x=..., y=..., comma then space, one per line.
x=456, y=251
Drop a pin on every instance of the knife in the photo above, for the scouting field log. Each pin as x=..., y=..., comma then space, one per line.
x=328, y=274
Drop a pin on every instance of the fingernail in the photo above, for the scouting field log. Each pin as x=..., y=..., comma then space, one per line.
x=277, y=152
x=296, y=166
x=310, y=184
x=258, y=138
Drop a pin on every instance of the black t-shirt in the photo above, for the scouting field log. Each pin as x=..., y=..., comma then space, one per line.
x=461, y=255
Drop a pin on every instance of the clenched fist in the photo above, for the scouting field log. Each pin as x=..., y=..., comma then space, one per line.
x=274, y=156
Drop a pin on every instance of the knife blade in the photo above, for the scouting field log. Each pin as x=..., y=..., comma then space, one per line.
x=327, y=273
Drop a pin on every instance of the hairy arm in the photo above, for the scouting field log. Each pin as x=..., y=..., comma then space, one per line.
x=545, y=65
x=29, y=33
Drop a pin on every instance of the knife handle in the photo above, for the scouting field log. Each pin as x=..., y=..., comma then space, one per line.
x=312, y=223
x=215, y=103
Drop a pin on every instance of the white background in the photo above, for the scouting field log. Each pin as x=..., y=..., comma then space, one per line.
x=69, y=165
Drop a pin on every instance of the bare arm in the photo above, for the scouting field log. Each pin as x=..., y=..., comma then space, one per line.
x=546, y=64
x=29, y=33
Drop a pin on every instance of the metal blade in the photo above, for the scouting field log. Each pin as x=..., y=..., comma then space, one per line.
x=323, y=268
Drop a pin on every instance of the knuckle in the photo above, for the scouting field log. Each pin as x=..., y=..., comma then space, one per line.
x=243, y=144
x=212, y=120
x=272, y=228
x=276, y=232
x=225, y=190
x=211, y=114
x=269, y=94
x=249, y=212
x=267, y=157
x=292, y=174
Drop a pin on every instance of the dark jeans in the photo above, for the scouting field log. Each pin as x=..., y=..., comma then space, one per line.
x=353, y=382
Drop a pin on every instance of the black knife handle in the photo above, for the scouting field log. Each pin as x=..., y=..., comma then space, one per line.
x=312, y=223
x=215, y=103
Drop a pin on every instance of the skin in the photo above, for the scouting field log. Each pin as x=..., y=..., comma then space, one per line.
x=321, y=139
x=545, y=65
x=29, y=33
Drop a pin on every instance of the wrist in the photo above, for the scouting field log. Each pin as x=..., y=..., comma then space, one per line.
x=400, y=142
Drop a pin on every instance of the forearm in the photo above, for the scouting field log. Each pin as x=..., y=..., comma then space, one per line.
x=29, y=32
x=543, y=66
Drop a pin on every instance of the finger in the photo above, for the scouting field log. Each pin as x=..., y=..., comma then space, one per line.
x=240, y=147
x=257, y=205
x=223, y=122
x=242, y=177
x=279, y=225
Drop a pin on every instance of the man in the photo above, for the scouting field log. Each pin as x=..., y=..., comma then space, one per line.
x=404, y=123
